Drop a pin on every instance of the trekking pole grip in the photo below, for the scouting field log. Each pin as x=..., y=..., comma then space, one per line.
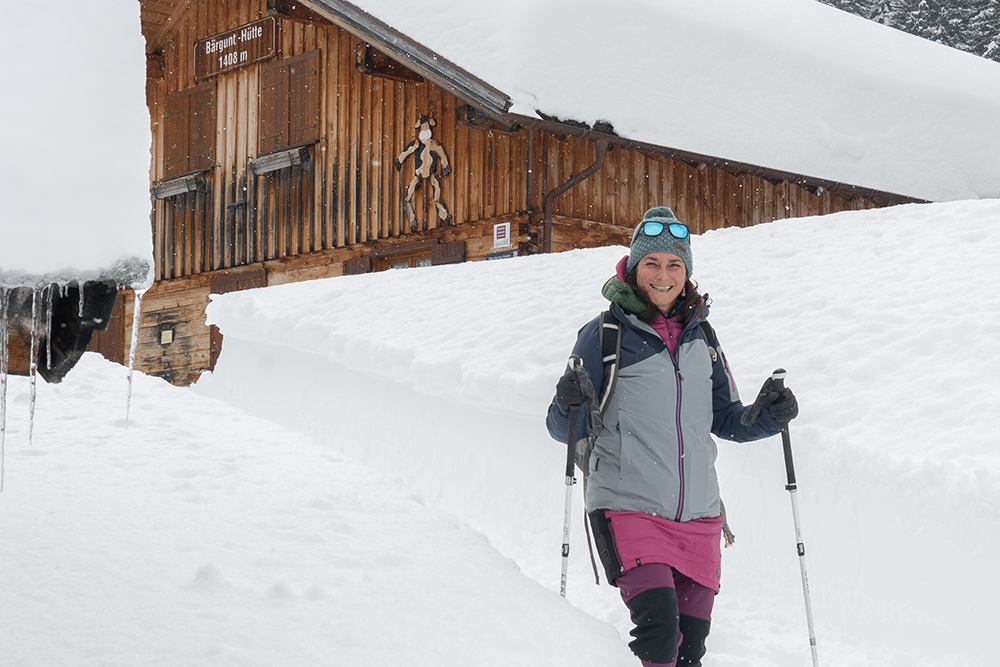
x=778, y=378
x=571, y=444
x=576, y=365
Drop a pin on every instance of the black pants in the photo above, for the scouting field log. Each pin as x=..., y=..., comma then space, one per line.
x=672, y=613
x=667, y=609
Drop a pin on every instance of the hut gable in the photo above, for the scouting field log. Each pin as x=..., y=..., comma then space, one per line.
x=300, y=140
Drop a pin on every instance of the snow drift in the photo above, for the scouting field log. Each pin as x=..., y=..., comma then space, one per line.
x=886, y=321
x=201, y=535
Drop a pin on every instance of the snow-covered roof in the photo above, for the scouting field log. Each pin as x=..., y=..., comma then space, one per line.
x=74, y=144
x=792, y=85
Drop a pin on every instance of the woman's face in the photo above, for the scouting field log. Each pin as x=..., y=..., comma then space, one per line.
x=661, y=277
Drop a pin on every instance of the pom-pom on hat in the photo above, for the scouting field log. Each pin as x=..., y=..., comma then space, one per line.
x=642, y=244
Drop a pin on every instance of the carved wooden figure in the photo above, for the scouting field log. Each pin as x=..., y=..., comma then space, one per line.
x=427, y=153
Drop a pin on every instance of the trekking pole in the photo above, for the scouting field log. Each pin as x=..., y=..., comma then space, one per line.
x=575, y=363
x=778, y=377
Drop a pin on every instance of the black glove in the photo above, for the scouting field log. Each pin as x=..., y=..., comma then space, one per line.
x=568, y=391
x=782, y=405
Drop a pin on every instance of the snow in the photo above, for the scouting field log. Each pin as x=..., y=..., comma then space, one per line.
x=793, y=85
x=403, y=505
x=74, y=178
x=202, y=535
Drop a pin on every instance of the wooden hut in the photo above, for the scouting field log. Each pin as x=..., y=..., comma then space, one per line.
x=305, y=139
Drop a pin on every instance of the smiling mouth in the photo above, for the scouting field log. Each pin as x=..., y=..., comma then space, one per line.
x=661, y=289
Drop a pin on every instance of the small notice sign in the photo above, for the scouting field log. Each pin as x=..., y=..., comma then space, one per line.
x=236, y=48
x=502, y=255
x=501, y=235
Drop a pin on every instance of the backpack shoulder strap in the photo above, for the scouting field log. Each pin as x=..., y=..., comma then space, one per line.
x=609, y=338
x=609, y=335
x=709, y=333
x=713, y=344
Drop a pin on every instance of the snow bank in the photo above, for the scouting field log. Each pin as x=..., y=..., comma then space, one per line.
x=74, y=136
x=787, y=84
x=886, y=321
x=204, y=536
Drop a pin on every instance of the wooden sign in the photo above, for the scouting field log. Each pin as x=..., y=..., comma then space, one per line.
x=235, y=48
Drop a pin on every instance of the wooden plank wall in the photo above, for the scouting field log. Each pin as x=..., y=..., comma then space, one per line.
x=632, y=181
x=180, y=306
x=349, y=193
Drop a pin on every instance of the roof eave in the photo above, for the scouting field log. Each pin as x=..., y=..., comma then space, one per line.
x=425, y=62
x=812, y=183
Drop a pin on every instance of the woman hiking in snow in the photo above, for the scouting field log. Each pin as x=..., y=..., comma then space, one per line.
x=652, y=494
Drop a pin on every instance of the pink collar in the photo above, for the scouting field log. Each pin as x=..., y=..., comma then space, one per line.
x=669, y=330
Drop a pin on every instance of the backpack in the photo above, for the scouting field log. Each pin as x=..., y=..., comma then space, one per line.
x=609, y=338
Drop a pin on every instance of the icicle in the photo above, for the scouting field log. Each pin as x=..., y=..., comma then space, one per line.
x=79, y=284
x=49, y=301
x=136, y=314
x=36, y=324
x=4, y=300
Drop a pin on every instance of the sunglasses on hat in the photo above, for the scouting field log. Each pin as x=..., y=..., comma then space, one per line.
x=654, y=228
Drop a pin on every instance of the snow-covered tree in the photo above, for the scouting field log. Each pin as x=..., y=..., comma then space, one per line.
x=967, y=25
x=986, y=25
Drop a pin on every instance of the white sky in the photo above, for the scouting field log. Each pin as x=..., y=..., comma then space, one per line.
x=74, y=136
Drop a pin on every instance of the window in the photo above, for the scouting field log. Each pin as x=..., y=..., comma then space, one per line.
x=407, y=257
x=289, y=102
x=428, y=252
x=411, y=262
x=189, y=131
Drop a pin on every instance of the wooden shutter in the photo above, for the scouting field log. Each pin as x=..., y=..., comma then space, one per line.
x=448, y=253
x=189, y=132
x=274, y=107
x=304, y=99
x=201, y=133
x=175, y=140
x=357, y=265
x=289, y=102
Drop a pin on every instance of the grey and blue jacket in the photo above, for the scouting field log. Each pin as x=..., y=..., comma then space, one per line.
x=655, y=452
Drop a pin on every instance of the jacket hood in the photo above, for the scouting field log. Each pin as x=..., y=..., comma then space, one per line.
x=617, y=291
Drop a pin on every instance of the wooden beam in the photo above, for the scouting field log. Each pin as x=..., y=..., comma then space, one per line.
x=172, y=20
x=297, y=12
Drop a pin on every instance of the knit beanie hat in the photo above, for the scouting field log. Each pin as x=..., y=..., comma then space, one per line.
x=642, y=244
